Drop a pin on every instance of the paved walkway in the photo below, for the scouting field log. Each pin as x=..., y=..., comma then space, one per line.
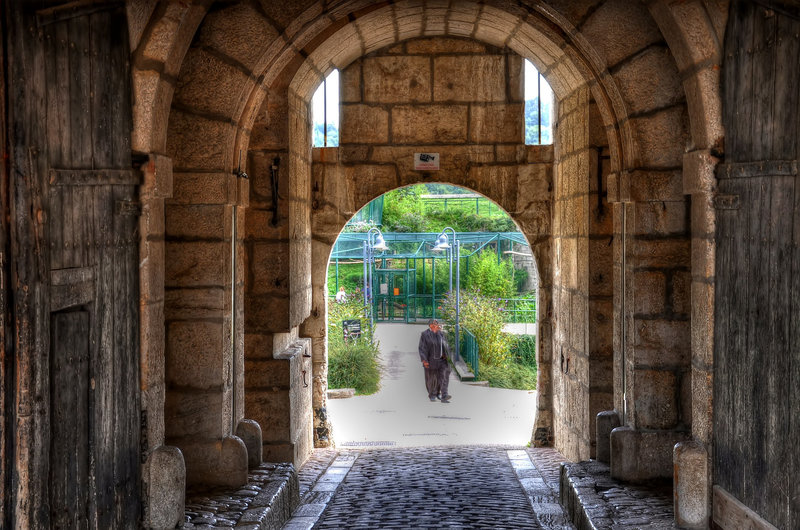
x=400, y=414
x=432, y=487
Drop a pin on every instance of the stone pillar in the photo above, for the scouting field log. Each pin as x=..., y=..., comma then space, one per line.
x=607, y=421
x=279, y=395
x=203, y=326
x=690, y=486
x=638, y=455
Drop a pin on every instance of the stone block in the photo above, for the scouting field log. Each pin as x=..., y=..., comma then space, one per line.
x=703, y=258
x=370, y=181
x=661, y=137
x=704, y=216
x=350, y=84
x=702, y=404
x=269, y=267
x=656, y=405
x=195, y=354
x=200, y=188
x=661, y=218
x=164, y=476
x=209, y=85
x=469, y=78
x=268, y=374
x=237, y=31
x=250, y=433
x=157, y=177
x=650, y=80
x=194, y=414
x=364, y=124
x=638, y=456
x=618, y=30
x=682, y=292
x=221, y=462
x=419, y=124
x=270, y=407
x=193, y=221
x=699, y=172
x=496, y=123
x=650, y=292
x=690, y=485
x=197, y=263
x=440, y=45
x=397, y=79
x=499, y=183
x=194, y=303
x=660, y=253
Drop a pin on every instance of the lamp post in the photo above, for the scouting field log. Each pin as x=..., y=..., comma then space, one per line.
x=454, y=253
x=373, y=242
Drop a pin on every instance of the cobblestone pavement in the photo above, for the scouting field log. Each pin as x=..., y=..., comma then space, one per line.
x=265, y=502
x=434, y=487
x=595, y=500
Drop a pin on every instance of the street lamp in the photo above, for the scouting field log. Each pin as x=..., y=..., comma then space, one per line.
x=453, y=254
x=374, y=241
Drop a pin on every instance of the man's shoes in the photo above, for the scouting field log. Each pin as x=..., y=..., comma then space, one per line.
x=432, y=398
x=446, y=399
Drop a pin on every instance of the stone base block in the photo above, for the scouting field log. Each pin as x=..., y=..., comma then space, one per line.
x=607, y=421
x=278, y=452
x=642, y=455
x=690, y=485
x=165, y=488
x=250, y=433
x=216, y=462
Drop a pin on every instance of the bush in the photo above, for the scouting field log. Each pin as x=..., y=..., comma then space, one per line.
x=523, y=351
x=513, y=375
x=483, y=317
x=489, y=277
x=352, y=363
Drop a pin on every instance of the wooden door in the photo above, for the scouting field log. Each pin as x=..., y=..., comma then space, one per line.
x=757, y=322
x=92, y=219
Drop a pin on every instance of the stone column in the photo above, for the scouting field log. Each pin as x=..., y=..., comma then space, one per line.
x=200, y=313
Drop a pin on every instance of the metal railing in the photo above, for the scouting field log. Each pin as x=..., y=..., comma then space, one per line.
x=469, y=351
x=519, y=310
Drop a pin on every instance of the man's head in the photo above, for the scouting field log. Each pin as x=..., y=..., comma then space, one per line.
x=433, y=324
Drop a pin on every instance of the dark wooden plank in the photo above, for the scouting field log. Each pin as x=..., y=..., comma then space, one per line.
x=69, y=420
x=793, y=375
x=80, y=152
x=787, y=112
x=56, y=229
x=776, y=365
x=762, y=83
x=103, y=360
x=94, y=177
x=731, y=89
x=103, y=69
x=58, y=79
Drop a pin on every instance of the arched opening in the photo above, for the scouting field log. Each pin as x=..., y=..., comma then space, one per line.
x=391, y=293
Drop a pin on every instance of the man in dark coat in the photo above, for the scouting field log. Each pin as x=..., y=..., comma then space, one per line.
x=434, y=352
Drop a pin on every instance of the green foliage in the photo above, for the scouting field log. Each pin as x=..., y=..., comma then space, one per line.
x=483, y=316
x=350, y=277
x=523, y=351
x=352, y=363
x=404, y=210
x=490, y=278
x=520, y=277
x=512, y=375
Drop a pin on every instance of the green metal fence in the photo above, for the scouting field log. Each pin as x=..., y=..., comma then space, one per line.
x=519, y=310
x=469, y=350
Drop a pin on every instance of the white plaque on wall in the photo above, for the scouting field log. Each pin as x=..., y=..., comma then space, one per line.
x=426, y=161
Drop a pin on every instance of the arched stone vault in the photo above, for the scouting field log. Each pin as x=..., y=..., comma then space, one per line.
x=186, y=109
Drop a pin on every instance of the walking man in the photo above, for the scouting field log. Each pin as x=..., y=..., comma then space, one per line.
x=434, y=352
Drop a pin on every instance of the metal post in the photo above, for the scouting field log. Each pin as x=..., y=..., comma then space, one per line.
x=457, y=249
x=364, y=277
x=433, y=286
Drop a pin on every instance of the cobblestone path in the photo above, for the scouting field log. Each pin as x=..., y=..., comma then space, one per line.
x=433, y=487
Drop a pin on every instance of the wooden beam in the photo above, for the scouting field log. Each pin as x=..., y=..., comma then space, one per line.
x=729, y=513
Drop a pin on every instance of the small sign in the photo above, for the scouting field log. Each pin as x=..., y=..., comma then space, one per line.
x=384, y=288
x=426, y=161
x=351, y=328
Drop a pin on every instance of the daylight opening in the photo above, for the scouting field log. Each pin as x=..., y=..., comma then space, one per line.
x=538, y=107
x=325, y=112
x=422, y=252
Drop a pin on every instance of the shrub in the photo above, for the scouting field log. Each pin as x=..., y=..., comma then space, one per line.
x=352, y=363
x=513, y=375
x=483, y=317
x=523, y=351
x=489, y=277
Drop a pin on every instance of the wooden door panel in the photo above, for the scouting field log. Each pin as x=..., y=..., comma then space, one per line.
x=69, y=420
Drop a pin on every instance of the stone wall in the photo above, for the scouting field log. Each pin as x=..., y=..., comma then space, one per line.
x=571, y=278
x=457, y=97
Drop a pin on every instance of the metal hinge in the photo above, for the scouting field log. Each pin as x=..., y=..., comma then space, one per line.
x=128, y=208
x=726, y=202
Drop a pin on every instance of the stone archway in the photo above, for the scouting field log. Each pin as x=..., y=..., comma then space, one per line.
x=597, y=49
